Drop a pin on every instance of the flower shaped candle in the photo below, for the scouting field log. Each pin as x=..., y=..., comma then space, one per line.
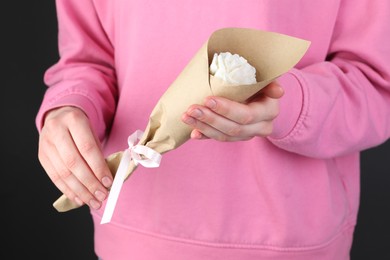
x=233, y=69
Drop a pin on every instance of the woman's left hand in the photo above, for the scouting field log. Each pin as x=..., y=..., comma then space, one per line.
x=226, y=120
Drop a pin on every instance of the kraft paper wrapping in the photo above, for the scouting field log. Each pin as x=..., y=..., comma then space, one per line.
x=272, y=54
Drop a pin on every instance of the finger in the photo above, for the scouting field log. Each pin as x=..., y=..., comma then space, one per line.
x=240, y=133
x=76, y=173
x=74, y=184
x=53, y=175
x=89, y=147
x=234, y=111
x=196, y=134
x=205, y=131
x=211, y=125
x=259, y=110
x=273, y=90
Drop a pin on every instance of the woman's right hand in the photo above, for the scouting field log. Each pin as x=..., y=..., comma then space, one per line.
x=71, y=155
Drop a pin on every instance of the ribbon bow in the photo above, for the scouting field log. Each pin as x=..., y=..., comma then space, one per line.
x=140, y=154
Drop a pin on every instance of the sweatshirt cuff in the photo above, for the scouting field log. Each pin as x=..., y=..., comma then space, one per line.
x=290, y=106
x=76, y=100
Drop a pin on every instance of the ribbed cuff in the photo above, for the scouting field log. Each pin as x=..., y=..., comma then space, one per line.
x=75, y=100
x=290, y=106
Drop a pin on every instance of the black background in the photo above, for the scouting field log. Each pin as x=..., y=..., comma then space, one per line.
x=30, y=225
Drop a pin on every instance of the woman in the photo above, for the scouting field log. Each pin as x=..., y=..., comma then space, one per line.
x=275, y=178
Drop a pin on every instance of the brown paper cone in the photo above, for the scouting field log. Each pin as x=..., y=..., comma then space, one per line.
x=272, y=54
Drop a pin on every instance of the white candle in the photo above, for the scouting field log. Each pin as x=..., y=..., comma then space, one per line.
x=233, y=69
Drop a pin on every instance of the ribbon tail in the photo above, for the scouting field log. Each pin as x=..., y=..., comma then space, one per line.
x=116, y=187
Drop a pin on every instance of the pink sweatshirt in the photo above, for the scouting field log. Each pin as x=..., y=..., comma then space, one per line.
x=293, y=195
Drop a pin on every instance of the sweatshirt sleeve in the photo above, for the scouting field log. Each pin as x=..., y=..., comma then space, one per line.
x=84, y=75
x=341, y=105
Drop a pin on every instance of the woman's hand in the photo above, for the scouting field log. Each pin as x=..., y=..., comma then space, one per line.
x=225, y=120
x=71, y=155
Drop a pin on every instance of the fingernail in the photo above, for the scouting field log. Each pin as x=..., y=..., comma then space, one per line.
x=189, y=120
x=100, y=195
x=211, y=103
x=78, y=201
x=107, y=182
x=196, y=135
x=94, y=204
x=196, y=113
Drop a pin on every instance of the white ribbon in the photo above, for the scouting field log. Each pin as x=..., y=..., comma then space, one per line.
x=140, y=154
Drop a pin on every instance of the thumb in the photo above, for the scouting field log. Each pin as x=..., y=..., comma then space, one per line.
x=273, y=90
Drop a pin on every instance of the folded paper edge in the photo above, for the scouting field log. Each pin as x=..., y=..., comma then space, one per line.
x=301, y=46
